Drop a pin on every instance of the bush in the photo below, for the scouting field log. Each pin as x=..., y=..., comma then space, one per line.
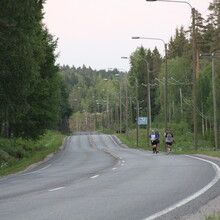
x=4, y=156
x=16, y=155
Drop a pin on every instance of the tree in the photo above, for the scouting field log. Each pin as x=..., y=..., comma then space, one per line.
x=30, y=87
x=178, y=45
x=214, y=24
x=20, y=22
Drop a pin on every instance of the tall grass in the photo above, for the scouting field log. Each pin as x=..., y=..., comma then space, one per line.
x=16, y=155
x=183, y=140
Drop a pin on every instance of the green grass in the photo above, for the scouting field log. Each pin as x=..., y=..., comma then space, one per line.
x=183, y=145
x=183, y=142
x=215, y=216
x=16, y=155
x=212, y=218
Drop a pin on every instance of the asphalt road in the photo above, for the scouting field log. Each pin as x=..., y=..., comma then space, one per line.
x=96, y=178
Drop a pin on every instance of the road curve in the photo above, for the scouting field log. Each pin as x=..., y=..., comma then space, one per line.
x=96, y=178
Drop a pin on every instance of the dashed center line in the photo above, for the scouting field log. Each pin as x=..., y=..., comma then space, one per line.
x=92, y=177
x=55, y=189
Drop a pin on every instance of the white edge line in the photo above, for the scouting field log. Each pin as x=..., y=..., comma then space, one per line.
x=195, y=195
x=52, y=190
x=44, y=168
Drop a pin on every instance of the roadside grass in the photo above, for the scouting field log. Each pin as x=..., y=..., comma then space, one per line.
x=183, y=145
x=212, y=218
x=16, y=155
x=215, y=216
x=183, y=142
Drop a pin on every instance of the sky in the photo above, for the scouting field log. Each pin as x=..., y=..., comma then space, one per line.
x=97, y=33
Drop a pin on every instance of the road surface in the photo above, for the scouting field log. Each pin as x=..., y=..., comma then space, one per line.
x=96, y=178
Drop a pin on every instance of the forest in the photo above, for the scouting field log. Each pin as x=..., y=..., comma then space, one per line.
x=32, y=92
x=37, y=94
x=111, y=100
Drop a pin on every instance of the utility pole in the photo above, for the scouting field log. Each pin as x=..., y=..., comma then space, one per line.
x=215, y=119
x=148, y=102
x=126, y=108
x=166, y=79
x=181, y=103
x=214, y=102
x=137, y=104
x=165, y=89
x=137, y=112
x=195, y=120
x=194, y=93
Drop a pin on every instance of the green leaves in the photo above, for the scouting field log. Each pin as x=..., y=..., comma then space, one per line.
x=30, y=87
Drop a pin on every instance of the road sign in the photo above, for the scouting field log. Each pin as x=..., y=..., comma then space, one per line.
x=142, y=120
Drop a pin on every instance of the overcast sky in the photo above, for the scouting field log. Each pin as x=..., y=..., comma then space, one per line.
x=98, y=33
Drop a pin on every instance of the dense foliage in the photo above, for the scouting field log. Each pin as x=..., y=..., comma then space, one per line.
x=97, y=102
x=31, y=90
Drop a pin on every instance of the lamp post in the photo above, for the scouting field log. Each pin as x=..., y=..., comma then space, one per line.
x=166, y=76
x=126, y=106
x=107, y=106
x=148, y=95
x=120, y=109
x=137, y=104
x=195, y=121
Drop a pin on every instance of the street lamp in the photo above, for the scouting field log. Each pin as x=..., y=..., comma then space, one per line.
x=137, y=104
x=107, y=105
x=166, y=76
x=148, y=93
x=195, y=121
x=126, y=106
x=120, y=109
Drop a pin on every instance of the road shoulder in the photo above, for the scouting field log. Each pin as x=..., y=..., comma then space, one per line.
x=212, y=207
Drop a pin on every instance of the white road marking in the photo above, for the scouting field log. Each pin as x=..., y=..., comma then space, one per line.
x=114, y=168
x=195, y=195
x=44, y=168
x=52, y=190
x=113, y=140
x=92, y=177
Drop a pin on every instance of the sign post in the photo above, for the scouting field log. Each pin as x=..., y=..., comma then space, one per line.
x=142, y=121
